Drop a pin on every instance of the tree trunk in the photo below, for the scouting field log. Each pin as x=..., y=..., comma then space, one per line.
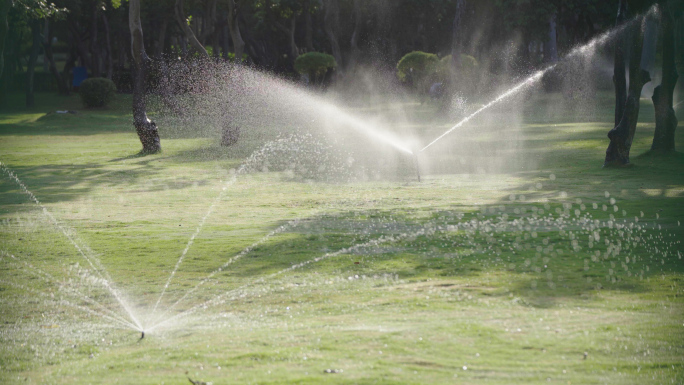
x=46, y=33
x=456, y=37
x=619, y=73
x=182, y=22
x=94, y=46
x=31, y=67
x=357, y=31
x=108, y=47
x=161, y=40
x=225, y=39
x=308, y=25
x=183, y=45
x=234, y=28
x=617, y=153
x=4, y=10
x=331, y=21
x=208, y=21
x=146, y=129
x=294, y=50
x=291, y=33
x=666, y=120
x=79, y=43
x=69, y=65
x=551, y=47
x=215, y=40
x=62, y=86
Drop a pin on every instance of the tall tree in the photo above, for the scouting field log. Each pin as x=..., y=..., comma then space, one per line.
x=36, y=12
x=358, y=19
x=234, y=29
x=94, y=44
x=185, y=27
x=619, y=72
x=666, y=120
x=5, y=6
x=331, y=20
x=108, y=46
x=36, y=38
x=456, y=36
x=551, y=47
x=146, y=129
x=641, y=56
x=62, y=86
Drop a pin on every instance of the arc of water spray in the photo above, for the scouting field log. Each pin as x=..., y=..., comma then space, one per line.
x=539, y=74
x=192, y=238
x=241, y=254
x=47, y=277
x=221, y=298
x=64, y=231
x=367, y=129
x=521, y=86
x=125, y=324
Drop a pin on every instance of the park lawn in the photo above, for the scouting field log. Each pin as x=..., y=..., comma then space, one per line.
x=460, y=278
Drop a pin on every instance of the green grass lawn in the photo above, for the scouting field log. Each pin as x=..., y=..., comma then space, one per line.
x=531, y=264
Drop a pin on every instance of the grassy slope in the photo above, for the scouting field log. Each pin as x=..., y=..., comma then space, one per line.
x=422, y=308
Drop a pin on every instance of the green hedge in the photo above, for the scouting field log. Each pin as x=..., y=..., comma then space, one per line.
x=416, y=66
x=314, y=64
x=97, y=92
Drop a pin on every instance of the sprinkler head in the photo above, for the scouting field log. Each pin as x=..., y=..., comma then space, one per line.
x=142, y=335
x=415, y=163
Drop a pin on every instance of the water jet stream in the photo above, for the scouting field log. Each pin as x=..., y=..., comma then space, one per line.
x=192, y=238
x=365, y=128
x=521, y=86
x=241, y=254
x=124, y=324
x=219, y=299
x=91, y=260
x=537, y=76
x=48, y=278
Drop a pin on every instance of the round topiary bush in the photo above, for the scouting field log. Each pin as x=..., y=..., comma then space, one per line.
x=315, y=65
x=97, y=92
x=417, y=69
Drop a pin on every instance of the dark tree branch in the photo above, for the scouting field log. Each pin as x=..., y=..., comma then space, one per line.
x=183, y=24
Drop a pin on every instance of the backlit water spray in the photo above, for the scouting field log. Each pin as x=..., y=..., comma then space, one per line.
x=91, y=261
x=539, y=75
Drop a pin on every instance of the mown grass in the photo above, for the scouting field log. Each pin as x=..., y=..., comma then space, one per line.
x=492, y=278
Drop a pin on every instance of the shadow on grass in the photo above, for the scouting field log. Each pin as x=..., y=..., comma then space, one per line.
x=540, y=279
x=53, y=183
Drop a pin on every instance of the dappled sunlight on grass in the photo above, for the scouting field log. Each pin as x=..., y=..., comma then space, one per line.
x=21, y=118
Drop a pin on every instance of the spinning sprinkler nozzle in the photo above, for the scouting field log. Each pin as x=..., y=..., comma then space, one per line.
x=415, y=163
x=142, y=334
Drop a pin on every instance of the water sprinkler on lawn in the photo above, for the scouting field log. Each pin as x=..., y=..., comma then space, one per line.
x=415, y=163
x=142, y=334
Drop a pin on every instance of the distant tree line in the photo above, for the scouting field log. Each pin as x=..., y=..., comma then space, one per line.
x=514, y=34
x=108, y=38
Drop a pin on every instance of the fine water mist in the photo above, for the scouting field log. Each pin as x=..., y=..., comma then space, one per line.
x=273, y=112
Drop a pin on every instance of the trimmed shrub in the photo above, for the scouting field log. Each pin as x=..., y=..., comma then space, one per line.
x=418, y=69
x=97, y=92
x=315, y=65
